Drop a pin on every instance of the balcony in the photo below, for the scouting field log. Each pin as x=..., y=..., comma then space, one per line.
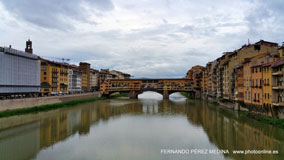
x=256, y=100
x=278, y=104
x=278, y=73
x=278, y=87
x=54, y=86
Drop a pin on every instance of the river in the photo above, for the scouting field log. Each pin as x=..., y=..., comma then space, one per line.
x=148, y=128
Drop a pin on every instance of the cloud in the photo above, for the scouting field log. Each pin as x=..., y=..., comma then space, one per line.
x=266, y=21
x=161, y=38
x=54, y=14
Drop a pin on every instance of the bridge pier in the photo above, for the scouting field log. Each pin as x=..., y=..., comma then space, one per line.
x=133, y=95
x=165, y=94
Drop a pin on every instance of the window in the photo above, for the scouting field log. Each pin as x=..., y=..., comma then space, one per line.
x=44, y=78
x=44, y=73
x=258, y=96
x=265, y=96
x=43, y=68
x=249, y=96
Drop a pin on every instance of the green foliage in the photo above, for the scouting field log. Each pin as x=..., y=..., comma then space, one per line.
x=214, y=102
x=186, y=95
x=47, y=107
x=268, y=120
x=274, y=121
x=119, y=95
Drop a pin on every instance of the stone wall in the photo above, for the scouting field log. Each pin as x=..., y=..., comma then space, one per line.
x=31, y=102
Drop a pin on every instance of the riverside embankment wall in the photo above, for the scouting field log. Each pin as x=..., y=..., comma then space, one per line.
x=276, y=112
x=31, y=102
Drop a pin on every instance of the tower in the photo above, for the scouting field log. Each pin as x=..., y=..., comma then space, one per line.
x=29, y=48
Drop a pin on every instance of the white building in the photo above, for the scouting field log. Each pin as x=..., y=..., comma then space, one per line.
x=75, y=80
x=19, y=72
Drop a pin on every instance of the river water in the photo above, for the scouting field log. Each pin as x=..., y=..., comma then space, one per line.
x=149, y=128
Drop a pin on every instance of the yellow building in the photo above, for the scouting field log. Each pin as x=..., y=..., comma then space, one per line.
x=267, y=87
x=84, y=81
x=53, y=77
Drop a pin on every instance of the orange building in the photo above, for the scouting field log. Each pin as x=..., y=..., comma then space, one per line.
x=256, y=87
x=256, y=77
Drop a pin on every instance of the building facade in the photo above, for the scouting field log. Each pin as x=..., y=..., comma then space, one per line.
x=239, y=84
x=267, y=87
x=75, y=80
x=85, y=69
x=106, y=74
x=278, y=83
x=20, y=72
x=195, y=74
x=54, y=77
x=94, y=80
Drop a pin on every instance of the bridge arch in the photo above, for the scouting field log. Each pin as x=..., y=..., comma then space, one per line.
x=153, y=91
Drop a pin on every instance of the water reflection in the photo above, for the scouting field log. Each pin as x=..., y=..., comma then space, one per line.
x=148, y=124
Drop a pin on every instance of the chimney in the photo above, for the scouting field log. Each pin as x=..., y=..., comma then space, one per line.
x=29, y=48
x=10, y=46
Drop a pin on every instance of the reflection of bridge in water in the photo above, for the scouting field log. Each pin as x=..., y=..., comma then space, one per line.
x=223, y=128
x=137, y=86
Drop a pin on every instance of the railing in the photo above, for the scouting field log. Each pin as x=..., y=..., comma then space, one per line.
x=122, y=88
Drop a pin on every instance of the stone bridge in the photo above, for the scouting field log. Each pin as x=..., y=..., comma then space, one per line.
x=134, y=87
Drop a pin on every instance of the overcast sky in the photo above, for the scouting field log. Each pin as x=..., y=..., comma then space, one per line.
x=146, y=38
